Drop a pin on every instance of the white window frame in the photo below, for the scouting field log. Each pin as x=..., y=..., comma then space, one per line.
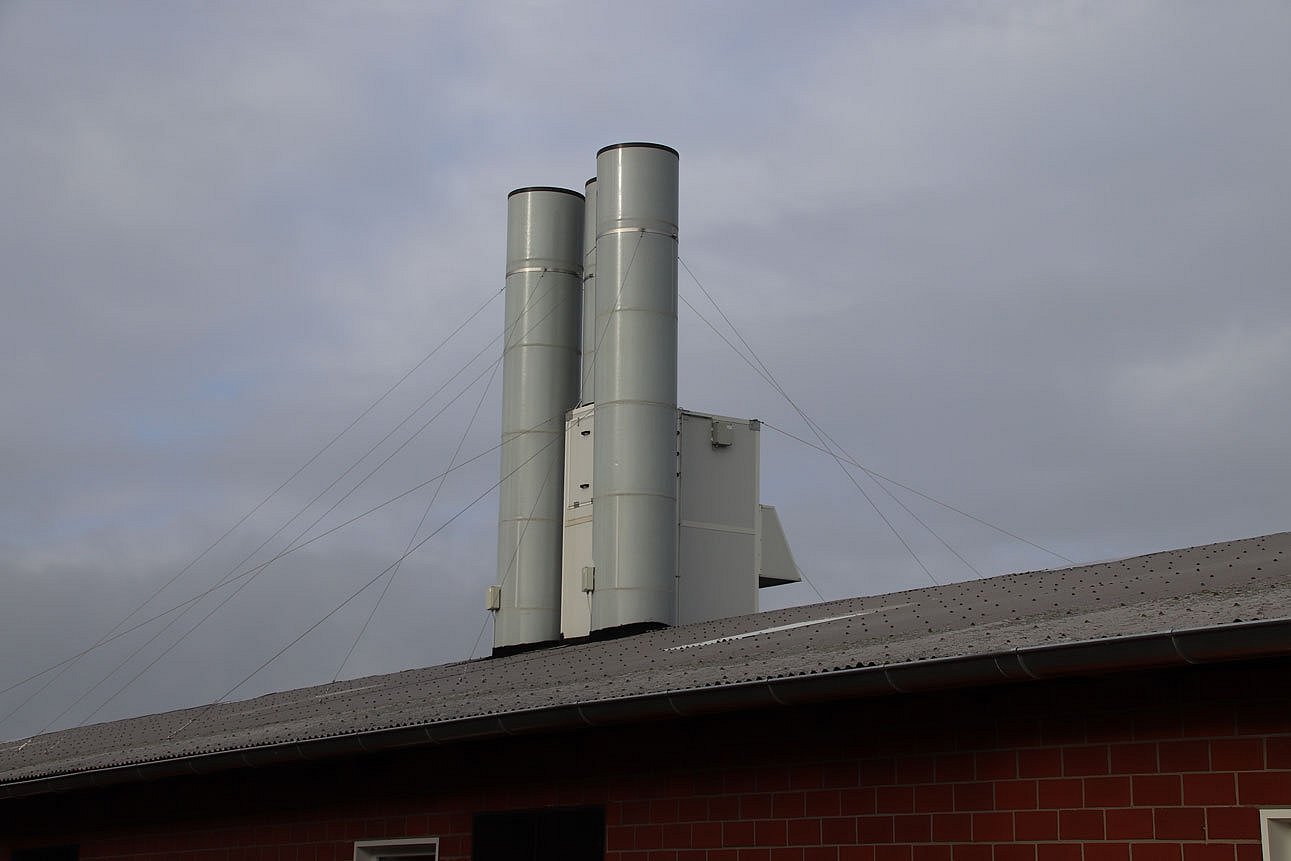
x=1275, y=833
x=370, y=850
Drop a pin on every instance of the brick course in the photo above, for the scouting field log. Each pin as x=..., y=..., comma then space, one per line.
x=1165, y=766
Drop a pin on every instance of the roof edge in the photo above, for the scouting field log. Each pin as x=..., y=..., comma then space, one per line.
x=1164, y=649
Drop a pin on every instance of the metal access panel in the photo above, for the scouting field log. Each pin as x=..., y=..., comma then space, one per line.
x=719, y=516
x=576, y=549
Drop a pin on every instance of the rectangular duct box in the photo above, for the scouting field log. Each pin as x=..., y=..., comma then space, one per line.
x=717, y=510
x=775, y=561
x=493, y=598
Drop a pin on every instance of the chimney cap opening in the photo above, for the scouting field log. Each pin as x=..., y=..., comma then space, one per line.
x=528, y=188
x=645, y=144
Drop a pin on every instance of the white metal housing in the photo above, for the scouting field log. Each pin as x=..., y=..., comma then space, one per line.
x=576, y=547
x=729, y=545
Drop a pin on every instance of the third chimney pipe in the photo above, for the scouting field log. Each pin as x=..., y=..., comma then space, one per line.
x=587, y=386
x=539, y=384
x=634, y=518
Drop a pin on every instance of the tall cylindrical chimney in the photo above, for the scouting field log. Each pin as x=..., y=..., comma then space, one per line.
x=587, y=390
x=539, y=384
x=634, y=515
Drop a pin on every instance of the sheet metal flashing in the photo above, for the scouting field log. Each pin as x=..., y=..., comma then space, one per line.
x=1217, y=602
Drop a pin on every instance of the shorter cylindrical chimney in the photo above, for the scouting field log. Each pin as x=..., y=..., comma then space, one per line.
x=540, y=378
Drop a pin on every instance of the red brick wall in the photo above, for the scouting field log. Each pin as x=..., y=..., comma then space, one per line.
x=1138, y=767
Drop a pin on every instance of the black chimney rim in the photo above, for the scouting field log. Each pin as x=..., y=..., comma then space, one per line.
x=645, y=144
x=577, y=194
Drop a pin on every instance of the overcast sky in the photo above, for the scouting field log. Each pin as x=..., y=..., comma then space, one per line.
x=1031, y=259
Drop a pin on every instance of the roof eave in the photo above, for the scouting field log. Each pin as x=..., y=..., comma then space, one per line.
x=1163, y=649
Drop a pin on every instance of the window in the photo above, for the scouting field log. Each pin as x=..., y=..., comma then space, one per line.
x=407, y=849
x=1275, y=833
x=46, y=853
x=561, y=834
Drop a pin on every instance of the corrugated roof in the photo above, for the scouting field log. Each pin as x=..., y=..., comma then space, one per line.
x=935, y=637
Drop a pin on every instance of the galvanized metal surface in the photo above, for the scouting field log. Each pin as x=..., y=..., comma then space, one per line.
x=717, y=514
x=634, y=524
x=1214, y=602
x=539, y=383
x=587, y=377
x=576, y=546
x=719, y=520
x=775, y=560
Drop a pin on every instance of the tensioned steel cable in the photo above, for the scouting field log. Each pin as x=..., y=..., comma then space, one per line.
x=247, y=581
x=424, y=515
x=920, y=493
x=189, y=602
x=381, y=442
x=880, y=477
x=695, y=311
x=362, y=588
x=892, y=496
x=780, y=389
x=229, y=575
x=488, y=369
x=337, y=503
x=66, y=665
x=771, y=380
x=766, y=375
x=292, y=545
x=367, y=453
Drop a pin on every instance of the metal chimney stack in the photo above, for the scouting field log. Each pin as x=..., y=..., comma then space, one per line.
x=634, y=518
x=587, y=387
x=540, y=369
x=618, y=511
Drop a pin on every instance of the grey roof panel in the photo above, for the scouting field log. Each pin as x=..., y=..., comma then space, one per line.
x=1219, y=588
